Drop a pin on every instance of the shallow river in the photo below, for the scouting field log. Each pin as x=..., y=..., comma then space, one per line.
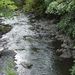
x=33, y=47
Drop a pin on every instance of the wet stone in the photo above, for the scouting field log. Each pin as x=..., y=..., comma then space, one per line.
x=27, y=65
x=4, y=28
x=2, y=74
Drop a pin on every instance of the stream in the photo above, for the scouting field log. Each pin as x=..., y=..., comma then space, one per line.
x=29, y=47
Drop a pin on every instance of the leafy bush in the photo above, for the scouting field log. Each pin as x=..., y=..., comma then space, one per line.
x=72, y=70
x=36, y=6
x=47, y=2
x=61, y=6
x=6, y=7
x=28, y=5
x=65, y=8
x=67, y=24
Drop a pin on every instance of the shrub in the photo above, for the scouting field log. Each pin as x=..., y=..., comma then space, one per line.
x=47, y=2
x=61, y=6
x=72, y=70
x=67, y=24
x=6, y=7
x=36, y=6
x=65, y=8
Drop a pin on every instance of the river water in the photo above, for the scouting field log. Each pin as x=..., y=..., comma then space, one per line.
x=33, y=47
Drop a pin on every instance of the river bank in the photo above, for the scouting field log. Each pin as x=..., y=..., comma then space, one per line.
x=7, y=64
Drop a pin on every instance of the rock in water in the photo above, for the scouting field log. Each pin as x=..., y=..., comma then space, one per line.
x=27, y=65
x=4, y=29
x=1, y=49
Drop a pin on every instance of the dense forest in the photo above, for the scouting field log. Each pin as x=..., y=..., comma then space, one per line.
x=64, y=9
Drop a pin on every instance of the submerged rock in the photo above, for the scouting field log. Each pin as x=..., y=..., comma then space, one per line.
x=59, y=51
x=27, y=65
x=4, y=29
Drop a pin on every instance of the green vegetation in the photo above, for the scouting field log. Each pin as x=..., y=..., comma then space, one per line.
x=7, y=7
x=66, y=9
x=10, y=68
x=11, y=72
x=73, y=70
x=37, y=6
x=63, y=8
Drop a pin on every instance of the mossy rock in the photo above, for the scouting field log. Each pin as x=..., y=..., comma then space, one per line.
x=4, y=28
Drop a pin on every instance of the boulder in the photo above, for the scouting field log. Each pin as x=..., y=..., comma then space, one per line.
x=27, y=65
x=4, y=29
x=59, y=51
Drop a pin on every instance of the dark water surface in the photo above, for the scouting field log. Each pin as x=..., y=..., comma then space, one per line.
x=32, y=44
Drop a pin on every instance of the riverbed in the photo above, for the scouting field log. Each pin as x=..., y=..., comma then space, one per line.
x=29, y=46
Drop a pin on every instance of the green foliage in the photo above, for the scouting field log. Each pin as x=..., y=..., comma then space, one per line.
x=65, y=8
x=7, y=4
x=72, y=70
x=47, y=2
x=7, y=7
x=9, y=68
x=61, y=6
x=36, y=6
x=10, y=72
x=67, y=24
x=28, y=5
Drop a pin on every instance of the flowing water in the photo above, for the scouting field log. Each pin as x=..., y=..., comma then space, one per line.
x=33, y=47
